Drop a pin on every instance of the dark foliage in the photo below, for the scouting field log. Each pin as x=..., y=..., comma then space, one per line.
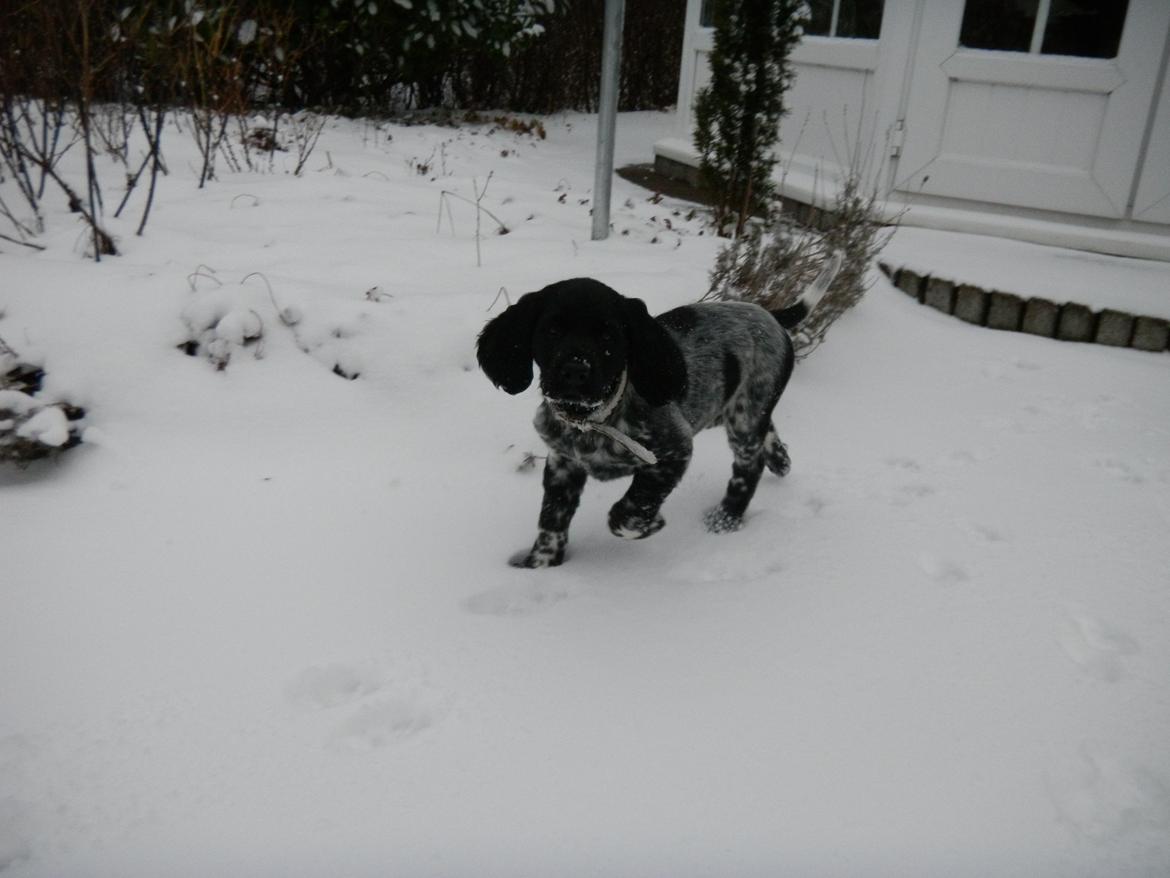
x=737, y=116
x=370, y=57
x=561, y=70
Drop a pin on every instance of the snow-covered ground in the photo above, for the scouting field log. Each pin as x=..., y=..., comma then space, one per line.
x=261, y=622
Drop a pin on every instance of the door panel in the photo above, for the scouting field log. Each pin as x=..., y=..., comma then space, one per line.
x=1050, y=132
x=1152, y=203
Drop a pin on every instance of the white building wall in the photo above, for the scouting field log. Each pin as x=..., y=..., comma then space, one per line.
x=1054, y=149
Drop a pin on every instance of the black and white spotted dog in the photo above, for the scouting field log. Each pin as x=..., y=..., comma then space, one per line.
x=624, y=393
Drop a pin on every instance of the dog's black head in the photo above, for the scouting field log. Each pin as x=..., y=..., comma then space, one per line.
x=584, y=336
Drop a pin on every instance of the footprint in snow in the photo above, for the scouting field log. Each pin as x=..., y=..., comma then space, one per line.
x=14, y=838
x=963, y=458
x=904, y=495
x=727, y=569
x=516, y=600
x=815, y=504
x=942, y=570
x=1103, y=795
x=334, y=685
x=385, y=721
x=987, y=533
x=16, y=752
x=1096, y=648
x=1120, y=470
x=805, y=505
x=383, y=707
x=1008, y=370
x=904, y=463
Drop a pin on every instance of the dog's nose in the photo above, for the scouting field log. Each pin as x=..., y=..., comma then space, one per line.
x=575, y=373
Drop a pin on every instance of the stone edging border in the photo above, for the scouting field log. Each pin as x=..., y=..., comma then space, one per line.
x=1036, y=316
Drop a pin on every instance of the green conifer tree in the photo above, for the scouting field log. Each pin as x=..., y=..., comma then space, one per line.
x=737, y=117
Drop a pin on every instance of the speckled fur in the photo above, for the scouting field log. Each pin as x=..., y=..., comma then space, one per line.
x=736, y=359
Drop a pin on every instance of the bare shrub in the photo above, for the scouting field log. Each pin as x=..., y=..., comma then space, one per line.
x=53, y=62
x=776, y=259
x=306, y=128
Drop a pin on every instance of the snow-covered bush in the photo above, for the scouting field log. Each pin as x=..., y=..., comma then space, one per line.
x=229, y=321
x=31, y=428
x=219, y=325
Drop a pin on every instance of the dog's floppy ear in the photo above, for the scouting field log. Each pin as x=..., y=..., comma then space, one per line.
x=656, y=365
x=504, y=348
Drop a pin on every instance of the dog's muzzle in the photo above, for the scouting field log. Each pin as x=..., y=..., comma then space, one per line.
x=573, y=410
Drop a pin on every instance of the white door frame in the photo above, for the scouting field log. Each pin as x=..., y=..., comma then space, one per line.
x=1118, y=90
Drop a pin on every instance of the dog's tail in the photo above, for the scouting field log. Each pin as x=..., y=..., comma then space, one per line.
x=794, y=314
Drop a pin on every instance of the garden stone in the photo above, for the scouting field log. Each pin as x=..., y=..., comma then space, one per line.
x=971, y=304
x=1004, y=311
x=1151, y=334
x=1040, y=317
x=1076, y=323
x=911, y=283
x=940, y=295
x=1114, y=328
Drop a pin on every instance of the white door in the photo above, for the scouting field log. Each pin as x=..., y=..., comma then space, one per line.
x=1152, y=200
x=1022, y=125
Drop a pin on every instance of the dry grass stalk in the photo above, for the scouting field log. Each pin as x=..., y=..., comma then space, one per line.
x=775, y=260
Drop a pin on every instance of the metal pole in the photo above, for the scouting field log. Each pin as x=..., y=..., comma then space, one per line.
x=611, y=63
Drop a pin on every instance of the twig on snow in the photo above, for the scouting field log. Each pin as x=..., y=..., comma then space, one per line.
x=290, y=317
x=503, y=292
x=479, y=210
x=204, y=272
x=22, y=243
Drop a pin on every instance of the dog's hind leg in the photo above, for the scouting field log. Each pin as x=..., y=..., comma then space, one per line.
x=754, y=445
x=776, y=453
x=745, y=476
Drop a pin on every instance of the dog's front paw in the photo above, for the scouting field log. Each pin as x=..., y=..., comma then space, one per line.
x=720, y=521
x=547, y=551
x=630, y=523
x=531, y=560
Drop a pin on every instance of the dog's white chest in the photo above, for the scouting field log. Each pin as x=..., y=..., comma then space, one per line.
x=600, y=455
